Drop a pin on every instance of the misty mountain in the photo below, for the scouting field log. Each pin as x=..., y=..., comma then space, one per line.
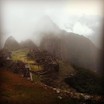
x=88, y=25
x=28, y=44
x=11, y=44
x=70, y=47
x=45, y=26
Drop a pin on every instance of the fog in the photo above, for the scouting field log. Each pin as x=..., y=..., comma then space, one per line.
x=25, y=19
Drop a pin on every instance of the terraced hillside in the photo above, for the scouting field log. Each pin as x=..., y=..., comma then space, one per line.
x=21, y=55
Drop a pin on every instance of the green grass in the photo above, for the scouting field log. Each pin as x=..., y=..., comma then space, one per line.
x=35, y=67
x=21, y=55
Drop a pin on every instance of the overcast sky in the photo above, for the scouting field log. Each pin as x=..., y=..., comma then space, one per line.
x=19, y=18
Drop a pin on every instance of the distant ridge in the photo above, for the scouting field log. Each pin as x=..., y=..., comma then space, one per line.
x=28, y=44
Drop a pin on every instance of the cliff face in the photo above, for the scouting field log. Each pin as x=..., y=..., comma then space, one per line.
x=72, y=48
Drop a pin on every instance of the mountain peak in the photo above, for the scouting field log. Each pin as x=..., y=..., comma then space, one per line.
x=46, y=24
x=11, y=44
x=11, y=38
x=28, y=44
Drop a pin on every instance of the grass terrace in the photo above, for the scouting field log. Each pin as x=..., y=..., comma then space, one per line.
x=21, y=55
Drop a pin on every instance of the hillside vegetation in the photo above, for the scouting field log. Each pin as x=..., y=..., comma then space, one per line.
x=21, y=55
x=86, y=81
